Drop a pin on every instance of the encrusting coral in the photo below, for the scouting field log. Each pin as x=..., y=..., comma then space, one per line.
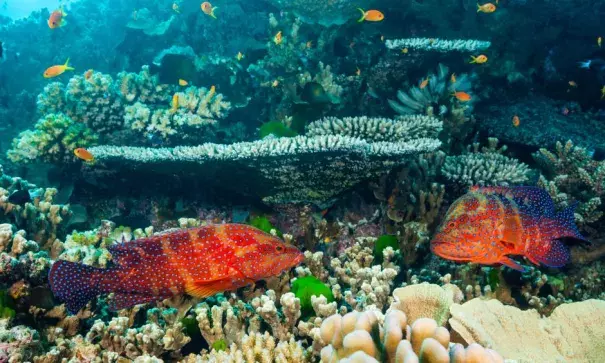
x=486, y=166
x=573, y=332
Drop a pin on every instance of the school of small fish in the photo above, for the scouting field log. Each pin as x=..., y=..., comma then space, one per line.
x=199, y=262
x=489, y=224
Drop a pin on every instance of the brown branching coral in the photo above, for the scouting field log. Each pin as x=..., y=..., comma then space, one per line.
x=571, y=175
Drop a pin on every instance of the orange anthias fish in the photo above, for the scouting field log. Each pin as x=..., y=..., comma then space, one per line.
x=479, y=59
x=174, y=103
x=88, y=74
x=462, y=96
x=486, y=8
x=488, y=224
x=370, y=15
x=516, y=121
x=278, y=38
x=208, y=9
x=199, y=261
x=57, y=19
x=424, y=83
x=56, y=71
x=82, y=153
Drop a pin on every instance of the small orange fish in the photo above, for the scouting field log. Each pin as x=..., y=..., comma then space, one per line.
x=83, y=154
x=462, y=96
x=57, y=19
x=175, y=7
x=405, y=51
x=516, y=121
x=489, y=224
x=275, y=83
x=183, y=83
x=358, y=72
x=175, y=103
x=56, y=71
x=208, y=9
x=370, y=15
x=424, y=83
x=309, y=44
x=453, y=78
x=486, y=8
x=88, y=74
x=479, y=59
x=573, y=84
x=200, y=262
x=277, y=39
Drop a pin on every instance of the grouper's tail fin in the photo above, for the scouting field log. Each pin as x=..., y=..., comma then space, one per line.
x=74, y=283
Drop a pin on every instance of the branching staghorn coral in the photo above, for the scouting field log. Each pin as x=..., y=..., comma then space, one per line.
x=486, y=166
x=438, y=45
x=255, y=347
x=52, y=141
x=572, y=175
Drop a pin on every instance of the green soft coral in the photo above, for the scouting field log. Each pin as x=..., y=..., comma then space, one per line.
x=52, y=141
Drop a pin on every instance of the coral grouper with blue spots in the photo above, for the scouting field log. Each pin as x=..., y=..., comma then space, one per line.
x=488, y=224
x=199, y=261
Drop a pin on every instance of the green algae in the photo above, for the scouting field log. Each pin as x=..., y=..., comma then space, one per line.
x=263, y=223
x=382, y=243
x=276, y=128
x=305, y=287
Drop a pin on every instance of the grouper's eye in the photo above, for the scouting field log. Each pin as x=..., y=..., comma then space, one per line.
x=279, y=248
x=451, y=225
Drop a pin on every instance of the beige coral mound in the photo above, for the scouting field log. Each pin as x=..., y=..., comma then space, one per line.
x=424, y=301
x=573, y=333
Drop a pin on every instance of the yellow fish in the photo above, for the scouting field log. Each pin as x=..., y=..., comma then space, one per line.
x=404, y=50
x=277, y=39
x=183, y=83
x=358, y=72
x=480, y=59
x=424, y=83
x=603, y=92
x=599, y=41
x=275, y=83
x=453, y=78
x=212, y=90
x=239, y=56
x=175, y=103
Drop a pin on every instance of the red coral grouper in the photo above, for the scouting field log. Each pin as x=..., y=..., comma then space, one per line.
x=489, y=223
x=199, y=261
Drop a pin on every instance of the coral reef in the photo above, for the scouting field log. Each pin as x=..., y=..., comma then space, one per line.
x=286, y=169
x=562, y=336
x=438, y=45
x=486, y=166
x=572, y=176
x=52, y=141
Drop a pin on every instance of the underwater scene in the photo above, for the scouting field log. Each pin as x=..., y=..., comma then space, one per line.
x=391, y=181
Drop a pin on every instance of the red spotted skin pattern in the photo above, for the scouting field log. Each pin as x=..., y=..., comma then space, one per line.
x=488, y=224
x=199, y=261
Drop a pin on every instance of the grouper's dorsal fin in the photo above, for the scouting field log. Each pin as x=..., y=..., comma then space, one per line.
x=528, y=201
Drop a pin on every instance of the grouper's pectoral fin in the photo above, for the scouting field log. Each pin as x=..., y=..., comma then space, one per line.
x=206, y=288
x=124, y=300
x=507, y=261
